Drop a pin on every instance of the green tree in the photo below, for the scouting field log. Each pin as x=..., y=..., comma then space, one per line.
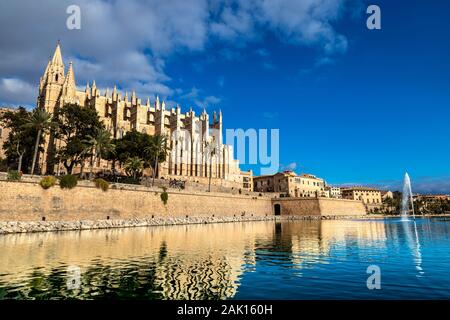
x=42, y=121
x=20, y=142
x=133, y=166
x=98, y=146
x=75, y=125
x=157, y=151
x=133, y=144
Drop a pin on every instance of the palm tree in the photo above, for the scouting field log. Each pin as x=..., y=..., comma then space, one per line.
x=211, y=151
x=41, y=121
x=98, y=145
x=133, y=166
x=157, y=150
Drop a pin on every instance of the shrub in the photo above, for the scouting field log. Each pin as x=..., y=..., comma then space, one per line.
x=164, y=196
x=14, y=175
x=47, y=182
x=68, y=181
x=101, y=184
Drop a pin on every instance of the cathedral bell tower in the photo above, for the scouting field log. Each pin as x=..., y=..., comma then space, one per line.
x=52, y=86
x=51, y=83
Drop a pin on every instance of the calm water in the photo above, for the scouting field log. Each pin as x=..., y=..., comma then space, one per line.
x=258, y=260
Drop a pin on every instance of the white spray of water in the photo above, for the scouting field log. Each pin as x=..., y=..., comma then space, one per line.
x=414, y=244
x=407, y=198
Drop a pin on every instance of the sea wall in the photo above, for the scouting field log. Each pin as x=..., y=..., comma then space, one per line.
x=319, y=207
x=27, y=201
x=27, y=207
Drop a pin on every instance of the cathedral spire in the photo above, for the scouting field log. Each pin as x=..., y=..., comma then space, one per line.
x=57, y=56
x=70, y=77
x=157, y=106
x=88, y=90
x=94, y=89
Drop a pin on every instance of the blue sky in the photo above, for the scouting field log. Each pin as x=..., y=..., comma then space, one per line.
x=353, y=105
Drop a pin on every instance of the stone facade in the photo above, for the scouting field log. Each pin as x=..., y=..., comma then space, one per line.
x=369, y=196
x=432, y=197
x=196, y=152
x=4, y=132
x=335, y=192
x=289, y=183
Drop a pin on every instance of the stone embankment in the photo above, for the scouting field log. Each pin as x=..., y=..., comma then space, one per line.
x=46, y=226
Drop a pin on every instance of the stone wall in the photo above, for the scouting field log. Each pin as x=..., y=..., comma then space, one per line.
x=26, y=207
x=298, y=206
x=320, y=206
x=341, y=207
x=27, y=201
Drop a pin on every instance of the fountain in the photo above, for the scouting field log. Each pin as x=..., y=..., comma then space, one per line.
x=407, y=198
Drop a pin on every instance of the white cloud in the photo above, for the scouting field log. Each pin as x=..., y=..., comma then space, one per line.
x=291, y=167
x=17, y=92
x=194, y=97
x=128, y=42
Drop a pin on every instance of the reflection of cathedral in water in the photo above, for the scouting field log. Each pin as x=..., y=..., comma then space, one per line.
x=178, y=262
x=201, y=278
x=311, y=239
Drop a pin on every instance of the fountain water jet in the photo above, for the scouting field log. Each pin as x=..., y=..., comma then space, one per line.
x=407, y=198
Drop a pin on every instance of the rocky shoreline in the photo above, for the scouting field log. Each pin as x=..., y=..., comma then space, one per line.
x=9, y=227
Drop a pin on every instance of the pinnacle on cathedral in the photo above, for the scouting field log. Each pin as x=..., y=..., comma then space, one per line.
x=70, y=77
x=69, y=86
x=57, y=56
